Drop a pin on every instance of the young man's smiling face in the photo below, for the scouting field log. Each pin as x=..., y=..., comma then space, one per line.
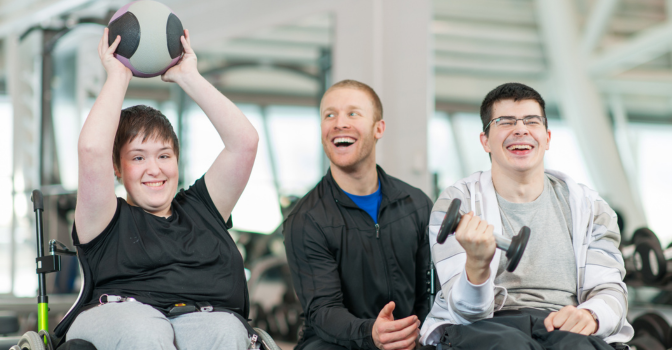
x=149, y=172
x=349, y=128
x=520, y=148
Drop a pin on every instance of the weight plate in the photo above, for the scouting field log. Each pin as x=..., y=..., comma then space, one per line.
x=651, y=324
x=517, y=248
x=644, y=234
x=645, y=342
x=450, y=221
x=653, y=264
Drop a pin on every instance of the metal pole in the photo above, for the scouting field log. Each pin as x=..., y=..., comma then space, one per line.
x=42, y=299
x=272, y=157
x=324, y=80
x=179, y=97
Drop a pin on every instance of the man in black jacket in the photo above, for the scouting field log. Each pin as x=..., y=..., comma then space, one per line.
x=356, y=243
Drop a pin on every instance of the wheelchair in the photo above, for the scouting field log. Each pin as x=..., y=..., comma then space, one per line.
x=42, y=340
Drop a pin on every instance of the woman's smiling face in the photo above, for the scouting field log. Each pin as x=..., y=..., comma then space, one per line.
x=149, y=172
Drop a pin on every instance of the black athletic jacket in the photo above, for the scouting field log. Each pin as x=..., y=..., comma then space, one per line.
x=345, y=268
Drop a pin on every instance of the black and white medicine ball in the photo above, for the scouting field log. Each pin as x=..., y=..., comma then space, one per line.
x=150, y=37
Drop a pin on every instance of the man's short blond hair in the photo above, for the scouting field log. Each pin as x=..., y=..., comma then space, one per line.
x=354, y=84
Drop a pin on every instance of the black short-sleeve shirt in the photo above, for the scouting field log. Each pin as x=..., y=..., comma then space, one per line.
x=188, y=257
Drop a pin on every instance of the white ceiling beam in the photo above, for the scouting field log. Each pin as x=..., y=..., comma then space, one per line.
x=269, y=80
x=471, y=89
x=645, y=46
x=648, y=107
x=488, y=48
x=19, y=19
x=465, y=10
x=8, y=7
x=628, y=86
x=625, y=24
x=473, y=30
x=502, y=11
x=597, y=24
x=489, y=66
x=295, y=35
x=267, y=52
x=217, y=20
x=635, y=87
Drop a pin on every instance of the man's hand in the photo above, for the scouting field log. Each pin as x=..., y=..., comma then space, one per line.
x=186, y=66
x=475, y=236
x=112, y=65
x=571, y=319
x=389, y=334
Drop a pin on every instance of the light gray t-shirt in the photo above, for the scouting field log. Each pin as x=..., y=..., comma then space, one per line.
x=546, y=275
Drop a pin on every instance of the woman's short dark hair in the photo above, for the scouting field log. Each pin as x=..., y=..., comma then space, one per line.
x=145, y=121
x=510, y=91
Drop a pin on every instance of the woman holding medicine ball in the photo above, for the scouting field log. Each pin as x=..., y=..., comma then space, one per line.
x=159, y=262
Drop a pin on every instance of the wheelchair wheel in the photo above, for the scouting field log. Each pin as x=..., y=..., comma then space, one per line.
x=31, y=341
x=266, y=340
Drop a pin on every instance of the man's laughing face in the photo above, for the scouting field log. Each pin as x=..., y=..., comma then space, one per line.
x=516, y=148
x=349, y=128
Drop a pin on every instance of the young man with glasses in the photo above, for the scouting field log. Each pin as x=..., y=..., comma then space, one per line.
x=567, y=291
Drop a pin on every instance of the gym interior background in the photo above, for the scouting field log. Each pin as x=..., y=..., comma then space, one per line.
x=603, y=66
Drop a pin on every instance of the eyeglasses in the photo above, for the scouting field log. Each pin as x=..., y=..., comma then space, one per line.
x=532, y=121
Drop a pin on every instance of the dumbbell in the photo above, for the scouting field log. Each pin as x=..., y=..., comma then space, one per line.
x=645, y=342
x=656, y=262
x=651, y=332
x=514, y=247
x=645, y=256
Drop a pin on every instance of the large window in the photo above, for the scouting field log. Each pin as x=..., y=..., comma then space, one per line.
x=294, y=133
x=6, y=140
x=444, y=159
x=654, y=169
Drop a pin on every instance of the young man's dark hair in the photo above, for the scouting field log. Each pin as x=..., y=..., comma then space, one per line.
x=509, y=91
x=145, y=121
